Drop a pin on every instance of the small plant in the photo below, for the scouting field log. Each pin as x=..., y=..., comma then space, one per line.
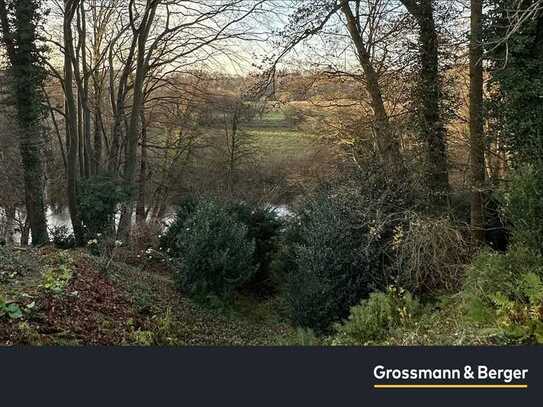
x=141, y=337
x=305, y=337
x=162, y=332
x=374, y=318
x=440, y=322
x=104, y=249
x=519, y=322
x=28, y=335
x=10, y=309
x=165, y=332
x=16, y=264
x=503, y=293
x=143, y=303
x=56, y=277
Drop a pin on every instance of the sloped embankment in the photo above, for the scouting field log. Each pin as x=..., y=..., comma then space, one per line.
x=53, y=297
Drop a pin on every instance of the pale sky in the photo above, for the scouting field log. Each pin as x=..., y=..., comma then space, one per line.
x=241, y=56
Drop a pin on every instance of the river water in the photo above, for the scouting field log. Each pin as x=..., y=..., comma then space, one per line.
x=62, y=218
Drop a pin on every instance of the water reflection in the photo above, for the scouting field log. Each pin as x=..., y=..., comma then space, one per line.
x=61, y=217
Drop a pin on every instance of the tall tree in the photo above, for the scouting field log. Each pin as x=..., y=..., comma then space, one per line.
x=143, y=57
x=429, y=96
x=388, y=144
x=19, y=21
x=515, y=53
x=373, y=28
x=72, y=132
x=477, y=145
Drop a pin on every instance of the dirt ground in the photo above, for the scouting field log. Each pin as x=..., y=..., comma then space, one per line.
x=54, y=297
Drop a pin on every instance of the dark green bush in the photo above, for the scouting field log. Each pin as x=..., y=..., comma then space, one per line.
x=332, y=267
x=523, y=203
x=285, y=262
x=169, y=240
x=217, y=254
x=99, y=197
x=263, y=226
x=342, y=246
x=62, y=237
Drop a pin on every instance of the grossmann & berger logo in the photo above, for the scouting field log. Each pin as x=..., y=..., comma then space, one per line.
x=469, y=377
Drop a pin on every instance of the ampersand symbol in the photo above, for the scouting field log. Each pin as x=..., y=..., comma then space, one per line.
x=468, y=373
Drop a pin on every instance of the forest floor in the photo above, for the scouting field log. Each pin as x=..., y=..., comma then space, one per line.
x=54, y=297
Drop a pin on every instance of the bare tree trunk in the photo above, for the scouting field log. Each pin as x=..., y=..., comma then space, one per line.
x=141, y=215
x=31, y=151
x=57, y=129
x=117, y=98
x=97, y=135
x=477, y=148
x=11, y=212
x=81, y=142
x=538, y=49
x=386, y=141
x=25, y=232
x=89, y=166
x=71, y=121
x=101, y=18
x=142, y=34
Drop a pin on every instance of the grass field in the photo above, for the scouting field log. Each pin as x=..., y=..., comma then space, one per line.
x=276, y=139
